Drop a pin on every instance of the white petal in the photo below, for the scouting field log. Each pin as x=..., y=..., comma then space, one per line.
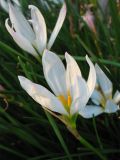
x=96, y=97
x=90, y=110
x=54, y=72
x=21, y=41
x=58, y=26
x=17, y=2
x=111, y=107
x=41, y=95
x=116, y=97
x=103, y=4
x=20, y=23
x=104, y=82
x=96, y=85
x=4, y=5
x=92, y=76
x=89, y=20
x=58, y=1
x=80, y=95
x=73, y=70
x=39, y=28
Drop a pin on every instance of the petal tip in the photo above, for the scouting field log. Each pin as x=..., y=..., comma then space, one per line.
x=64, y=7
x=87, y=58
x=21, y=78
x=46, y=52
x=31, y=6
x=45, y=56
x=66, y=54
x=6, y=22
x=97, y=66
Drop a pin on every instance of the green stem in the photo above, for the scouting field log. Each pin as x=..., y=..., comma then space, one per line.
x=97, y=45
x=75, y=133
x=98, y=48
x=97, y=135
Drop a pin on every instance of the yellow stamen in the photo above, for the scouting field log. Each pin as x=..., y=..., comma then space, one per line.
x=103, y=99
x=63, y=100
x=69, y=100
x=103, y=102
x=66, y=101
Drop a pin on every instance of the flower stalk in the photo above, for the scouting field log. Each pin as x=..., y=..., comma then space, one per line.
x=70, y=124
x=76, y=134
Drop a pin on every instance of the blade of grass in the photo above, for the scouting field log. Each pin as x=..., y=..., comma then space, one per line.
x=97, y=135
x=12, y=52
x=13, y=152
x=104, y=61
x=58, y=134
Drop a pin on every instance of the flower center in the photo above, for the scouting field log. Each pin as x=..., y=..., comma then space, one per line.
x=66, y=101
x=104, y=98
x=103, y=102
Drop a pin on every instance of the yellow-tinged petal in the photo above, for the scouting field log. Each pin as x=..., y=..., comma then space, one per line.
x=66, y=101
x=63, y=100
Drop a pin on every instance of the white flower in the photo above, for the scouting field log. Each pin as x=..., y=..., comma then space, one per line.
x=70, y=91
x=102, y=96
x=88, y=17
x=58, y=1
x=103, y=5
x=32, y=39
x=4, y=4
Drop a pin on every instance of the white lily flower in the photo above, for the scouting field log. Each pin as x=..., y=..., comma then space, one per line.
x=102, y=96
x=103, y=5
x=89, y=19
x=58, y=1
x=70, y=90
x=4, y=4
x=32, y=39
